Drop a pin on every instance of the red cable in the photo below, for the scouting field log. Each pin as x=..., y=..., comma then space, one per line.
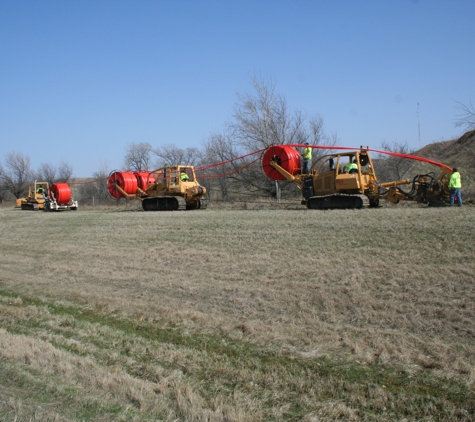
x=206, y=167
x=201, y=168
x=86, y=183
x=395, y=154
x=213, y=176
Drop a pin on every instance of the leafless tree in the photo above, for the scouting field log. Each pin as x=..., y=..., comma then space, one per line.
x=46, y=173
x=219, y=149
x=393, y=167
x=51, y=174
x=263, y=119
x=65, y=171
x=97, y=189
x=16, y=174
x=172, y=155
x=466, y=118
x=138, y=156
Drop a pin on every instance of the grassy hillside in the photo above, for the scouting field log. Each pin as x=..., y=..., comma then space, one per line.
x=458, y=153
x=238, y=315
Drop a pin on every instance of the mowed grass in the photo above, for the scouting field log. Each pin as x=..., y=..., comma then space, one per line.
x=238, y=315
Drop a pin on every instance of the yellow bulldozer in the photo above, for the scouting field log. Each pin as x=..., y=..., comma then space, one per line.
x=35, y=200
x=41, y=196
x=348, y=180
x=169, y=188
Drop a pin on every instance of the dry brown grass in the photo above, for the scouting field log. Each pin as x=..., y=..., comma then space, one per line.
x=343, y=302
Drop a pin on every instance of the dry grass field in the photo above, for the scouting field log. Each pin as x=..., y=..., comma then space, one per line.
x=238, y=315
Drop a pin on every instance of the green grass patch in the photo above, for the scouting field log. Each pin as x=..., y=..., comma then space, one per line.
x=226, y=365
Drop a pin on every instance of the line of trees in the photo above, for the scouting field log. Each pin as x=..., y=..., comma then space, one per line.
x=16, y=173
x=259, y=120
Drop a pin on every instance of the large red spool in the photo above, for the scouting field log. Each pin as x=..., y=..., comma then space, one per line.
x=125, y=179
x=144, y=179
x=287, y=157
x=61, y=192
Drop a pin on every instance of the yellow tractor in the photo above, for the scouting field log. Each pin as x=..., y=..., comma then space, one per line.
x=348, y=180
x=166, y=189
x=41, y=196
x=37, y=194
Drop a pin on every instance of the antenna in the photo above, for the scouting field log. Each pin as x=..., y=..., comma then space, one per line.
x=418, y=125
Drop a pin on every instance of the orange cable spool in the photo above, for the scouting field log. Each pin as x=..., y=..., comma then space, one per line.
x=144, y=179
x=61, y=192
x=125, y=179
x=287, y=157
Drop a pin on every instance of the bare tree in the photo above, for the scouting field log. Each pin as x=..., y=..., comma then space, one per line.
x=16, y=174
x=219, y=151
x=138, y=156
x=393, y=167
x=172, y=155
x=262, y=120
x=65, y=171
x=467, y=117
x=97, y=190
x=50, y=173
x=46, y=173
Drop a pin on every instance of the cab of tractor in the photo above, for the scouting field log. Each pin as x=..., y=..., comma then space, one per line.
x=187, y=174
x=172, y=179
x=347, y=172
x=38, y=190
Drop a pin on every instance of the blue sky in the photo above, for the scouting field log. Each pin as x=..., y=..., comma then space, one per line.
x=82, y=80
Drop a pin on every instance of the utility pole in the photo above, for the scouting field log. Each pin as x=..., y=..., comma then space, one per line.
x=418, y=125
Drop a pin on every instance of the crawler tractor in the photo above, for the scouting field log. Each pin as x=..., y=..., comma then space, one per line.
x=167, y=189
x=43, y=197
x=329, y=186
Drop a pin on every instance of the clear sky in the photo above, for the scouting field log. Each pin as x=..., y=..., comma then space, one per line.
x=80, y=80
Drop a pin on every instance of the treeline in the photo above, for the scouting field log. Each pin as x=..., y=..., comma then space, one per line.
x=16, y=173
x=260, y=119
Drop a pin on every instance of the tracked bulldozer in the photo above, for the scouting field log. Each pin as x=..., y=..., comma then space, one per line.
x=169, y=188
x=347, y=180
x=35, y=200
x=41, y=196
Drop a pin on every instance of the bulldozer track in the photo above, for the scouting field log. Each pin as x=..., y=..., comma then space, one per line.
x=164, y=203
x=29, y=206
x=337, y=201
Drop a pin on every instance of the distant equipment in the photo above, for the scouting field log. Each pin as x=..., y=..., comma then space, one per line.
x=41, y=196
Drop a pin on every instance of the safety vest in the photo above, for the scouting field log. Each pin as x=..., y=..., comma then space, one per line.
x=307, y=153
x=455, y=181
x=184, y=177
x=351, y=166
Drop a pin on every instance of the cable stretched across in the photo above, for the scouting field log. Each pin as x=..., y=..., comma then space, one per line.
x=89, y=181
x=221, y=163
x=394, y=154
x=214, y=176
x=202, y=169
